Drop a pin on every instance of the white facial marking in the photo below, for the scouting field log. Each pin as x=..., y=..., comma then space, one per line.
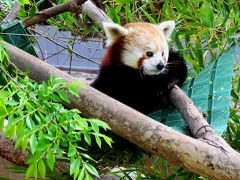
x=150, y=65
x=131, y=55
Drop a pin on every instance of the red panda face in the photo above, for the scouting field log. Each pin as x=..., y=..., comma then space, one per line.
x=145, y=45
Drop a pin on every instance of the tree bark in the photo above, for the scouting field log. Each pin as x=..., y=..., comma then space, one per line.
x=217, y=161
x=8, y=152
x=42, y=16
x=95, y=13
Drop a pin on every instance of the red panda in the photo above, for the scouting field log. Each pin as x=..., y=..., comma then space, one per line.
x=137, y=68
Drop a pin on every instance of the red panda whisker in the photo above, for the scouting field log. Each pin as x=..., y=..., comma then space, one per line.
x=175, y=62
x=141, y=71
x=164, y=71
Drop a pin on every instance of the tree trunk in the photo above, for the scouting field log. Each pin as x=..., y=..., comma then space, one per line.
x=217, y=161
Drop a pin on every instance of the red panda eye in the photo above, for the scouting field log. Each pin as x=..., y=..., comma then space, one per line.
x=162, y=54
x=149, y=53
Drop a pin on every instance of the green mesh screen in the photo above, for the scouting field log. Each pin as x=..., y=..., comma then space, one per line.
x=210, y=92
x=15, y=34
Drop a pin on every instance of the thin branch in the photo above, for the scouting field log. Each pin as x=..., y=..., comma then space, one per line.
x=67, y=48
x=42, y=16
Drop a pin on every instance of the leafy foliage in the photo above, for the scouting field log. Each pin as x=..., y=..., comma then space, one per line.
x=33, y=114
x=205, y=29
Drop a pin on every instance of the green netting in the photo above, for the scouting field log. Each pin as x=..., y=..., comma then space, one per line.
x=14, y=33
x=210, y=92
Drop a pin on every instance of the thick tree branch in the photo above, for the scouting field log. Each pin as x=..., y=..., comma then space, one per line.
x=8, y=152
x=42, y=16
x=189, y=153
x=208, y=155
x=95, y=13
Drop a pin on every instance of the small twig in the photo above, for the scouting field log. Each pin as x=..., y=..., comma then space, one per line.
x=71, y=57
x=68, y=48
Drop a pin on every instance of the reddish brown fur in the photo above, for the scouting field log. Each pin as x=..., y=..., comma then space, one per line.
x=140, y=61
x=113, y=54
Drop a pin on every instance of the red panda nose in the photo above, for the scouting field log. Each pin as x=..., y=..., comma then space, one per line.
x=160, y=66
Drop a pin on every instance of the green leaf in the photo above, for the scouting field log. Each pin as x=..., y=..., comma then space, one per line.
x=87, y=176
x=41, y=168
x=23, y=2
x=33, y=143
x=102, y=124
x=63, y=96
x=83, y=124
x=177, y=5
x=87, y=139
x=95, y=126
x=2, y=118
x=55, y=98
x=206, y=14
x=59, y=151
x=3, y=108
x=18, y=143
x=50, y=159
x=30, y=170
x=71, y=151
x=28, y=122
x=81, y=174
x=24, y=143
x=75, y=164
x=91, y=169
x=108, y=140
x=73, y=89
x=98, y=141
x=87, y=157
x=45, y=88
x=12, y=132
x=20, y=129
x=75, y=174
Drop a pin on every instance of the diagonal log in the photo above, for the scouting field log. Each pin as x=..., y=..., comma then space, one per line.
x=208, y=155
x=218, y=162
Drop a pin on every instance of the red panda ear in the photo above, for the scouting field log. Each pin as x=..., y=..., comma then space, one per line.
x=167, y=28
x=113, y=32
